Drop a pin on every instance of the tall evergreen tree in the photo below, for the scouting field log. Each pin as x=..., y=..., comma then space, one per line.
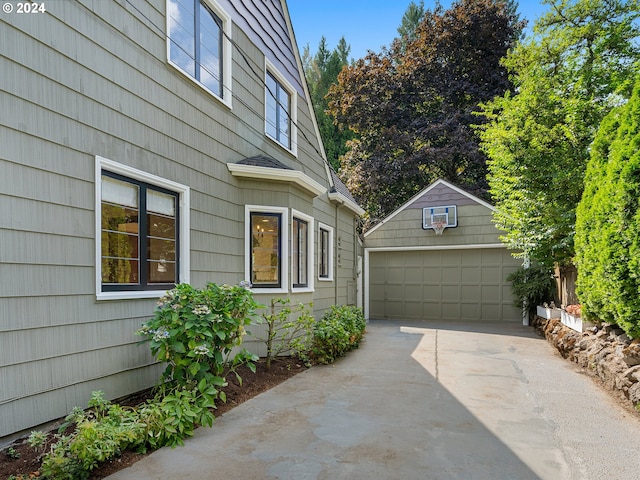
x=321, y=71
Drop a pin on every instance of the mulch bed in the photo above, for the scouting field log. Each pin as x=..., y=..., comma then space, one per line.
x=27, y=462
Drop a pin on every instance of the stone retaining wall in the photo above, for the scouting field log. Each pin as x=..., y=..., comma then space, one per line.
x=603, y=351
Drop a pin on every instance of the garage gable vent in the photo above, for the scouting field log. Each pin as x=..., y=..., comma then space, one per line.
x=446, y=215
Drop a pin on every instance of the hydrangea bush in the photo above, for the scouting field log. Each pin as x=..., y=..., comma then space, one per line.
x=198, y=332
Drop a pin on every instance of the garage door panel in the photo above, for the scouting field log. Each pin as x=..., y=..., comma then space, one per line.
x=465, y=284
x=451, y=293
x=451, y=274
x=413, y=275
x=471, y=274
x=491, y=274
x=470, y=293
x=432, y=293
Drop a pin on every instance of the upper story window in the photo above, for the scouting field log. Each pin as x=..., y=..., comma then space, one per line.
x=280, y=110
x=141, y=231
x=197, y=44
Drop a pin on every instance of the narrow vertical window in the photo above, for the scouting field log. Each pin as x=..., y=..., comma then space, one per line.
x=278, y=111
x=324, y=254
x=299, y=253
x=266, y=249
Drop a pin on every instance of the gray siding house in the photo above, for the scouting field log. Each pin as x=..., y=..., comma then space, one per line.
x=143, y=144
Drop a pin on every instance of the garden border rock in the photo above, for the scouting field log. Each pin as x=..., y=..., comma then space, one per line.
x=603, y=351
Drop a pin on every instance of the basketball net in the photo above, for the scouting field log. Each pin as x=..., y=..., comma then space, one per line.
x=438, y=227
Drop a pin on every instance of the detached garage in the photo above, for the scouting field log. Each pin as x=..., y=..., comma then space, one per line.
x=439, y=257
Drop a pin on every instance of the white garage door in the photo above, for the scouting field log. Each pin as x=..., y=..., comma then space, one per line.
x=466, y=284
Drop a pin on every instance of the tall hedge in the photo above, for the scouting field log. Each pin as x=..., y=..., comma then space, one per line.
x=607, y=238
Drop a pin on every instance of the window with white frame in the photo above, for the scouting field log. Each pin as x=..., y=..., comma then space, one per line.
x=280, y=109
x=325, y=252
x=301, y=251
x=198, y=45
x=141, y=230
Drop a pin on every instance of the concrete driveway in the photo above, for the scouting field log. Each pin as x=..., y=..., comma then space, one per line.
x=420, y=401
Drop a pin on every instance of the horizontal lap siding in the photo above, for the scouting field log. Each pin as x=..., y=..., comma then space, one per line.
x=92, y=78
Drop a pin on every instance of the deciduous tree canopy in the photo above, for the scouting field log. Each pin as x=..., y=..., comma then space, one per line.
x=578, y=65
x=413, y=106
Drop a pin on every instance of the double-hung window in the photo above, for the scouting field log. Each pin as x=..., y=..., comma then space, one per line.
x=197, y=43
x=139, y=229
x=280, y=110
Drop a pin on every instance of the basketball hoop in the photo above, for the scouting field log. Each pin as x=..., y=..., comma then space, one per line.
x=438, y=227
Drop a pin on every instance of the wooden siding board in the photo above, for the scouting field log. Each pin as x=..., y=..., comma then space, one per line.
x=34, y=312
x=83, y=85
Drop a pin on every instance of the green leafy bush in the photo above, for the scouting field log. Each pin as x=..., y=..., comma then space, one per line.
x=607, y=236
x=97, y=434
x=341, y=329
x=286, y=334
x=197, y=332
x=532, y=286
x=172, y=417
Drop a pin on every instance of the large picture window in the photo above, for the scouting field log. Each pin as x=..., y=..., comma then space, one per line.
x=141, y=223
x=197, y=44
x=138, y=235
x=266, y=249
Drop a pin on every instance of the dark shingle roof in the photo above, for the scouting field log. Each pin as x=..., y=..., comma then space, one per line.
x=340, y=187
x=264, y=161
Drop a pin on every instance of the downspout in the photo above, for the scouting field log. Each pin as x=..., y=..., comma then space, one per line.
x=335, y=255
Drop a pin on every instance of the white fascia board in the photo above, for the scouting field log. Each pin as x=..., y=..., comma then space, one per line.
x=278, y=175
x=343, y=200
x=473, y=246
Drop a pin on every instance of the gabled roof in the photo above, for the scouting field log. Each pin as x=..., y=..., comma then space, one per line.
x=413, y=201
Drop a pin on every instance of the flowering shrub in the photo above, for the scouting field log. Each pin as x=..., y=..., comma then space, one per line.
x=198, y=332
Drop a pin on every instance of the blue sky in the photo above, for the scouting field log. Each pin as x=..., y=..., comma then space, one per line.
x=365, y=24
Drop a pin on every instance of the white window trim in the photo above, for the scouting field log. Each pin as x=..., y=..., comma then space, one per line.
x=310, y=251
x=270, y=68
x=322, y=226
x=284, y=243
x=227, y=90
x=183, y=192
